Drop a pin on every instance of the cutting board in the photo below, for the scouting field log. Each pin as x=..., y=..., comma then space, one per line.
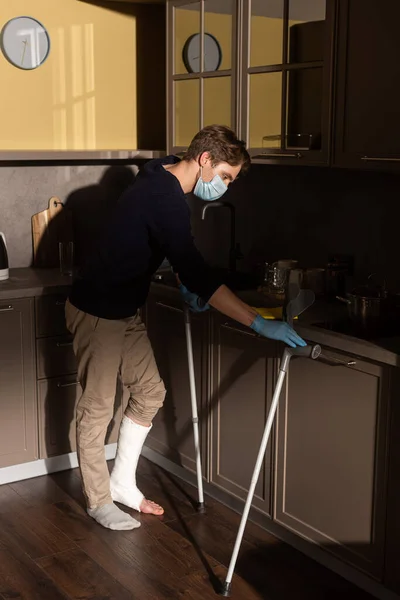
x=49, y=227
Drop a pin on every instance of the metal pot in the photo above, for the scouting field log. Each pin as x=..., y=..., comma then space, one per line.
x=367, y=307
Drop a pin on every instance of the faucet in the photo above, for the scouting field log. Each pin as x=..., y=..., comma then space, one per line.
x=234, y=251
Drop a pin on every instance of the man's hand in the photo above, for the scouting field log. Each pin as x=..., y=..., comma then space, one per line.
x=192, y=300
x=277, y=330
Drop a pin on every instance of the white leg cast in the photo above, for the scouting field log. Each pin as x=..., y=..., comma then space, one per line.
x=123, y=477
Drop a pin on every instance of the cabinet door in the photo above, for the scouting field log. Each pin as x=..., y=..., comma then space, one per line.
x=57, y=399
x=201, y=67
x=368, y=90
x=331, y=456
x=287, y=74
x=18, y=416
x=392, y=571
x=243, y=378
x=50, y=315
x=172, y=432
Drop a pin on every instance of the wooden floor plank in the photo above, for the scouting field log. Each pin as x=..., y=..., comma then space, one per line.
x=114, y=551
x=35, y=536
x=39, y=490
x=81, y=577
x=21, y=578
x=182, y=555
x=10, y=501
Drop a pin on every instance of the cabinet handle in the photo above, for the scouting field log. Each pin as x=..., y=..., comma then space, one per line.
x=70, y=384
x=380, y=159
x=60, y=303
x=336, y=362
x=6, y=308
x=63, y=344
x=267, y=155
x=168, y=306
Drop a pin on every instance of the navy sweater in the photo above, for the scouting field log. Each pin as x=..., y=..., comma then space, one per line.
x=152, y=222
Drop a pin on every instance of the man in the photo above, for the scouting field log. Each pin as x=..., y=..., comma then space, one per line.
x=152, y=223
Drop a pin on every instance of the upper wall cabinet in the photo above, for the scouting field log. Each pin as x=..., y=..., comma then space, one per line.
x=263, y=67
x=367, y=125
x=201, y=67
x=286, y=76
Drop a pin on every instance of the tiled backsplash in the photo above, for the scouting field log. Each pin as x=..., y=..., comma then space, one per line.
x=281, y=212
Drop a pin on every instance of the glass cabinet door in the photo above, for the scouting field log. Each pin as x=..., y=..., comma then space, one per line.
x=186, y=32
x=286, y=71
x=202, y=45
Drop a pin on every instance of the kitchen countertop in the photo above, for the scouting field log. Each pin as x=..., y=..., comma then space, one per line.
x=28, y=282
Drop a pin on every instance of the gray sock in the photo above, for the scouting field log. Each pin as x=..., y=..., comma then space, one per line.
x=112, y=517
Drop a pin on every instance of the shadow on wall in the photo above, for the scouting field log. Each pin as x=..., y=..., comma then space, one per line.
x=90, y=209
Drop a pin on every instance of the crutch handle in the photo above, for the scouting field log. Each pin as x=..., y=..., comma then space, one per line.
x=312, y=352
x=306, y=351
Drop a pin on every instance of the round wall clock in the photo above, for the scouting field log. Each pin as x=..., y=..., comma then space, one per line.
x=25, y=43
x=212, y=53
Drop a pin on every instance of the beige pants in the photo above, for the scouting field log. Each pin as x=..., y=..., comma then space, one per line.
x=106, y=349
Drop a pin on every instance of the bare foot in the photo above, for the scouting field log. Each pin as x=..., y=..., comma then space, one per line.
x=148, y=507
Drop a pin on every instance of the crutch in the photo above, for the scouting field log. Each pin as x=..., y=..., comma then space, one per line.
x=302, y=300
x=193, y=399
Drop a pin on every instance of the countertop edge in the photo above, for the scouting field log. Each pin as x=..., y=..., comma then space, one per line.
x=28, y=283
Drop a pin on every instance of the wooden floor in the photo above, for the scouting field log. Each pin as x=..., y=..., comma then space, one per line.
x=50, y=549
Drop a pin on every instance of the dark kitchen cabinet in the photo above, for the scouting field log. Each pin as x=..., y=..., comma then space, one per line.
x=287, y=74
x=201, y=75
x=243, y=375
x=368, y=90
x=331, y=458
x=172, y=432
x=392, y=571
x=18, y=415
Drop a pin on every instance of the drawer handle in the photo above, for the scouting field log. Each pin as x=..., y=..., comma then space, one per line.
x=380, y=159
x=6, y=308
x=267, y=155
x=64, y=344
x=336, y=362
x=70, y=384
x=60, y=303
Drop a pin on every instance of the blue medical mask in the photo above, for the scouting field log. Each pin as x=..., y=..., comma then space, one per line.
x=209, y=190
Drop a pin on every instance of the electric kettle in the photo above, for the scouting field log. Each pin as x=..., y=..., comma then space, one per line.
x=3, y=258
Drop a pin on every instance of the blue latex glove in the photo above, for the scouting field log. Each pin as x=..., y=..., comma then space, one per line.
x=277, y=330
x=194, y=302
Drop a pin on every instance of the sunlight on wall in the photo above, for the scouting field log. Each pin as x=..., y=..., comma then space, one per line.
x=84, y=95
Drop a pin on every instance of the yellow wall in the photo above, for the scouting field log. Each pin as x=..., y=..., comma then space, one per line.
x=84, y=95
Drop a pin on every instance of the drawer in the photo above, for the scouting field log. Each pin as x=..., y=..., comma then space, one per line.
x=50, y=315
x=57, y=400
x=55, y=357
